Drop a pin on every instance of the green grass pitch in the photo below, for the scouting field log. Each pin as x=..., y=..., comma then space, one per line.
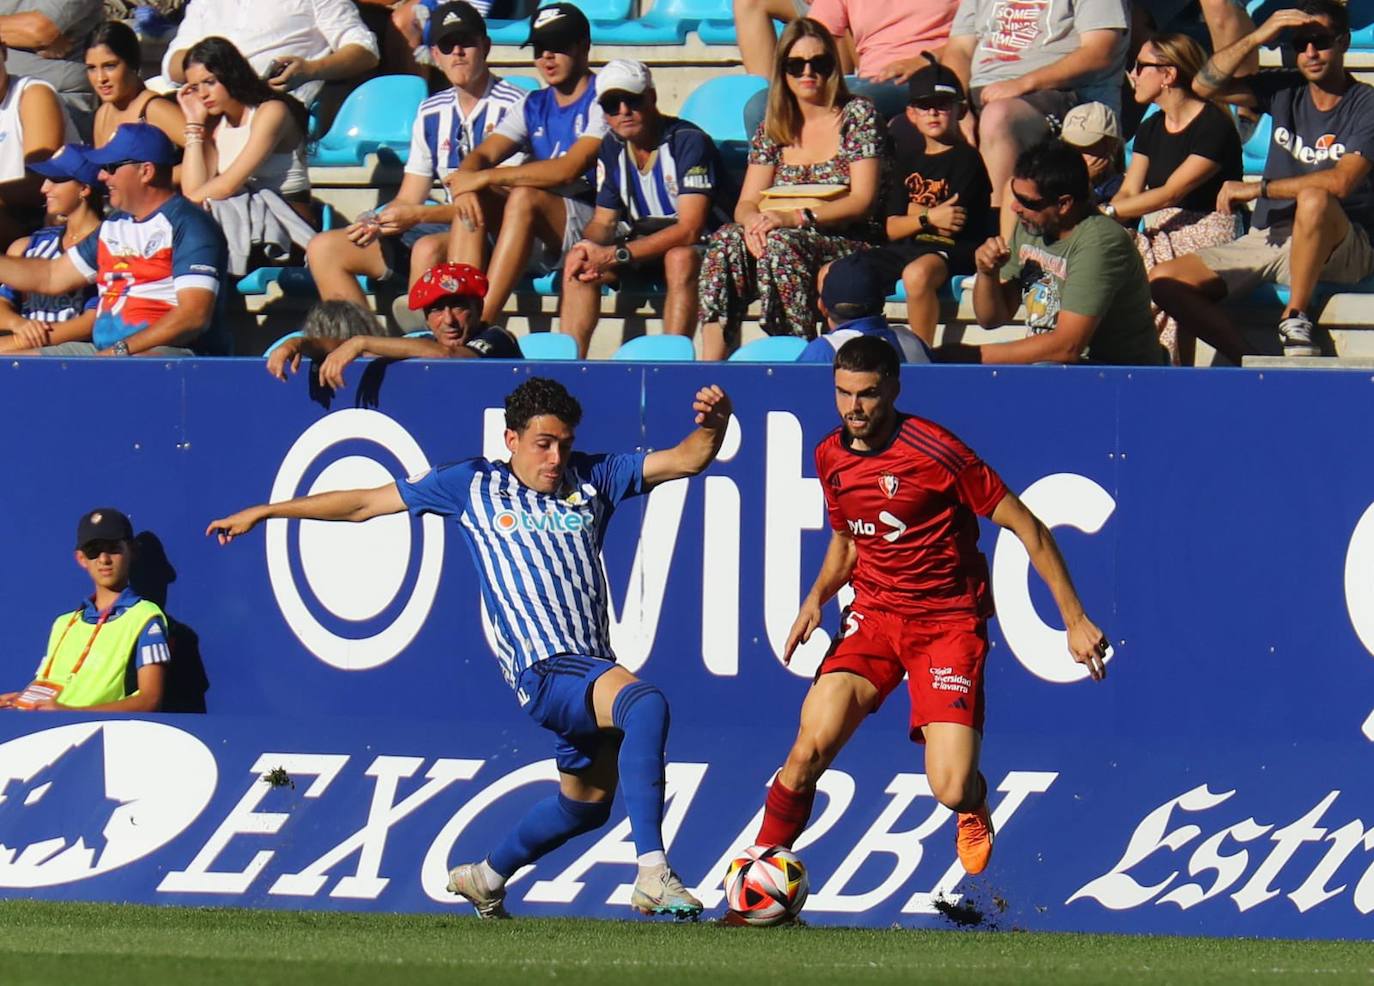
x=42, y=943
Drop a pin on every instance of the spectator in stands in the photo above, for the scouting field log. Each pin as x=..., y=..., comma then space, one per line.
x=45, y=38
x=412, y=20
x=450, y=296
x=338, y=320
x=33, y=125
x=113, y=61
x=1023, y=66
x=815, y=133
x=157, y=261
x=1076, y=271
x=1095, y=132
x=75, y=200
x=852, y=300
x=660, y=190
x=549, y=199
x=408, y=237
x=889, y=41
x=110, y=654
x=938, y=202
x=296, y=45
x=1182, y=156
x=1315, y=205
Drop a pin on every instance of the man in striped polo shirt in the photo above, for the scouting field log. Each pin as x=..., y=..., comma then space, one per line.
x=408, y=236
x=658, y=193
x=535, y=525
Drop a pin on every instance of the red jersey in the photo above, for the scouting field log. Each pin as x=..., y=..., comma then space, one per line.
x=910, y=508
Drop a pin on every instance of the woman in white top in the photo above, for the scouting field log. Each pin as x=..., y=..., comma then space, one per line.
x=113, y=56
x=239, y=129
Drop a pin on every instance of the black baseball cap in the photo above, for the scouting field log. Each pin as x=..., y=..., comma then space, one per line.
x=853, y=289
x=556, y=25
x=457, y=18
x=103, y=524
x=934, y=81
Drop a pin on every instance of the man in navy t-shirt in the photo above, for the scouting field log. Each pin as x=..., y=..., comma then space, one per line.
x=1314, y=208
x=535, y=210
x=658, y=193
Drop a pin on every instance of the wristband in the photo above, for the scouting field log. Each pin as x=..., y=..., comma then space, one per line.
x=121, y=348
x=924, y=219
x=1264, y=188
x=1109, y=211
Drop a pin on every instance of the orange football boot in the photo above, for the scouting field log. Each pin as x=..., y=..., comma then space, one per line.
x=973, y=839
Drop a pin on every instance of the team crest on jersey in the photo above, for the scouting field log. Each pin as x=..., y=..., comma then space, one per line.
x=888, y=483
x=670, y=183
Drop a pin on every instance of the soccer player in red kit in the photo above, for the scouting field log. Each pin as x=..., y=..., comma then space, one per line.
x=904, y=496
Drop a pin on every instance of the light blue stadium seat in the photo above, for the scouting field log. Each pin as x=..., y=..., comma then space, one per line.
x=717, y=107
x=953, y=290
x=272, y=348
x=1278, y=294
x=667, y=22
x=1255, y=150
x=375, y=119
x=657, y=349
x=548, y=345
x=770, y=349
x=504, y=32
x=293, y=281
x=526, y=82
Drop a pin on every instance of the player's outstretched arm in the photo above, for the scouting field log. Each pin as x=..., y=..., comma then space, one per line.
x=1087, y=643
x=350, y=505
x=840, y=556
x=695, y=452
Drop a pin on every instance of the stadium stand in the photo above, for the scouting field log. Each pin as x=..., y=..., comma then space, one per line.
x=772, y=349
x=657, y=349
x=548, y=345
x=667, y=22
x=374, y=119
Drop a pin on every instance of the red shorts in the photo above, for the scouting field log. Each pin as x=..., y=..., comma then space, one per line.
x=942, y=659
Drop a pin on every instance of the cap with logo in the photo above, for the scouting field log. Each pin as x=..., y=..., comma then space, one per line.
x=71, y=163
x=556, y=25
x=455, y=19
x=446, y=281
x=103, y=524
x=136, y=142
x=934, y=81
x=623, y=75
x=1087, y=123
x=853, y=289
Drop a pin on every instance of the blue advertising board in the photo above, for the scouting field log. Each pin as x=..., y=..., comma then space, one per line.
x=1219, y=526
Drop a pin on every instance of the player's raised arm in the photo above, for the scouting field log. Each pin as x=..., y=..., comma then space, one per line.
x=835, y=571
x=695, y=452
x=350, y=505
x=1087, y=643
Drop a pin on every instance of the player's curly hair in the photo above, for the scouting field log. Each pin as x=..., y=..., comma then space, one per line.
x=868, y=354
x=540, y=395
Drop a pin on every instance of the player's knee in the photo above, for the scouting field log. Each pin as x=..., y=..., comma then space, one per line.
x=807, y=760
x=640, y=704
x=957, y=790
x=587, y=816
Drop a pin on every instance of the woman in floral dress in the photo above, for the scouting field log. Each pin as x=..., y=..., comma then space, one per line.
x=815, y=132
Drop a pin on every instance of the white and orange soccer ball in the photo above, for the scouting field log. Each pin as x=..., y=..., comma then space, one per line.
x=766, y=885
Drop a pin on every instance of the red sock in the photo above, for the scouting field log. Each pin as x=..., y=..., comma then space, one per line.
x=785, y=814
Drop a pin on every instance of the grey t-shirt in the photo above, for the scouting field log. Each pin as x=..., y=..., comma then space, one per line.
x=1307, y=140
x=1019, y=37
x=76, y=19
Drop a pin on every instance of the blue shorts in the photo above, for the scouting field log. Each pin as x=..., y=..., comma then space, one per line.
x=560, y=700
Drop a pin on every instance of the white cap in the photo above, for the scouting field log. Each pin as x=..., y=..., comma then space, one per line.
x=623, y=75
x=1086, y=124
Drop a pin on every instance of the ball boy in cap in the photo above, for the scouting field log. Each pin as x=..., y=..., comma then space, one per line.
x=939, y=199
x=110, y=654
x=546, y=202
x=852, y=299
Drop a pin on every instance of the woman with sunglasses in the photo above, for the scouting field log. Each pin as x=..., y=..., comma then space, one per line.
x=1183, y=155
x=815, y=132
x=239, y=129
x=113, y=57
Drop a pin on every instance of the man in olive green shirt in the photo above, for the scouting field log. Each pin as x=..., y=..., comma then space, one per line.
x=1078, y=273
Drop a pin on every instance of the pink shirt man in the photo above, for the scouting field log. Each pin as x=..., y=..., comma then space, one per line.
x=886, y=32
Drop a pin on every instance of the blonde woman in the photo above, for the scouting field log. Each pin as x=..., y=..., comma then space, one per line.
x=1183, y=155
x=815, y=132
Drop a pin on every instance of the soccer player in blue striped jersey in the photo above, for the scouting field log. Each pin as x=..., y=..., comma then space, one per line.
x=534, y=526
x=658, y=193
x=407, y=237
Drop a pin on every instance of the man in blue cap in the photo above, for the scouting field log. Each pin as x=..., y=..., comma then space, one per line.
x=157, y=261
x=852, y=300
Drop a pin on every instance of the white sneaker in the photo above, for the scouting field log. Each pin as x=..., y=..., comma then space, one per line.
x=1295, y=331
x=467, y=881
x=659, y=891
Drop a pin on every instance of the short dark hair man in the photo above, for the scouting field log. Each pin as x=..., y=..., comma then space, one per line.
x=853, y=300
x=1077, y=272
x=660, y=184
x=1314, y=208
x=110, y=654
x=450, y=295
x=530, y=522
x=158, y=260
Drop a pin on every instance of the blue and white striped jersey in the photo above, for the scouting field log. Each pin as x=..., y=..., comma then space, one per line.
x=441, y=136
x=538, y=556
x=686, y=162
x=546, y=130
x=45, y=244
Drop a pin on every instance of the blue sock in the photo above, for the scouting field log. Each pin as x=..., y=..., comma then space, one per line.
x=641, y=713
x=545, y=827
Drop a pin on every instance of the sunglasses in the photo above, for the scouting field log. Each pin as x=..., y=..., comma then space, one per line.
x=112, y=168
x=449, y=45
x=1322, y=41
x=611, y=102
x=821, y=65
x=1035, y=205
x=935, y=105
x=95, y=549
x=1142, y=66
x=541, y=50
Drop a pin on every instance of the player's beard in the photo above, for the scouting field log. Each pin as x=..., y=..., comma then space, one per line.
x=864, y=428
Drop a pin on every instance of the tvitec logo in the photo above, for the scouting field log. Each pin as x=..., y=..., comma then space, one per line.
x=81, y=800
x=510, y=522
